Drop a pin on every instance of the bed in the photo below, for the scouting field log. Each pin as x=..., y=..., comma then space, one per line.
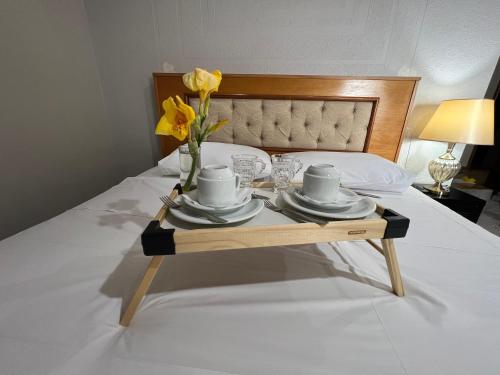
x=316, y=309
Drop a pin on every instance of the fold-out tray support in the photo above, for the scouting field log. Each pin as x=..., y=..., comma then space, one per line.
x=159, y=242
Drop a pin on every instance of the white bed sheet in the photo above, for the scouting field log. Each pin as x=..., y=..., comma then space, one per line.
x=317, y=309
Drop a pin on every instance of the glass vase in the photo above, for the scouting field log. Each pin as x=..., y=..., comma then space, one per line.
x=186, y=164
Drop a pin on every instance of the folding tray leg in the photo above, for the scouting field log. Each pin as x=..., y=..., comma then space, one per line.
x=393, y=266
x=156, y=261
x=142, y=289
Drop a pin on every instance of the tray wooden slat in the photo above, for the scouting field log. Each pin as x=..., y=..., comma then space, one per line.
x=276, y=235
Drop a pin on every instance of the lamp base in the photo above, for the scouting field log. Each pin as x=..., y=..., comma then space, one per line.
x=442, y=169
x=438, y=189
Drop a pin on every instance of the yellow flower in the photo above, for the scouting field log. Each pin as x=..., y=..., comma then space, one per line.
x=202, y=81
x=176, y=120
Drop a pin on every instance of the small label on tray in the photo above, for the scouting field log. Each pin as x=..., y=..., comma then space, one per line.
x=361, y=231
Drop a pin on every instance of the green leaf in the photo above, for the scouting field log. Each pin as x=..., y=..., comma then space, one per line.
x=216, y=127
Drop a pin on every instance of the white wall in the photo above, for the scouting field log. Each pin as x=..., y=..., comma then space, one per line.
x=458, y=49
x=55, y=146
x=452, y=44
x=125, y=41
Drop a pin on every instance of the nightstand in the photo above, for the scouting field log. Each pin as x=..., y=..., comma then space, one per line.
x=462, y=203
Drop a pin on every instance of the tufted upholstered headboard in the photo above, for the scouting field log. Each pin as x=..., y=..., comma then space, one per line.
x=299, y=124
x=294, y=113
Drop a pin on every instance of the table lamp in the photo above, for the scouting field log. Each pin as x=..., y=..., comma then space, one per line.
x=467, y=121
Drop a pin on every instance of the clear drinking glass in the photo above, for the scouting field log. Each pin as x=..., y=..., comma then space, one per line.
x=247, y=166
x=284, y=168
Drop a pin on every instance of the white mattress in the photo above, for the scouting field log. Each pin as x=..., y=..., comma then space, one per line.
x=317, y=309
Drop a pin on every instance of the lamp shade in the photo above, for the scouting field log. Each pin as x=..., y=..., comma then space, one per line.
x=462, y=121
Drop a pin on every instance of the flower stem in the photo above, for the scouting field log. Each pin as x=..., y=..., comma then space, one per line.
x=189, y=181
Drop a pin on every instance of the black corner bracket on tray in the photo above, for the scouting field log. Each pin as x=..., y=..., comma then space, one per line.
x=178, y=187
x=156, y=240
x=397, y=225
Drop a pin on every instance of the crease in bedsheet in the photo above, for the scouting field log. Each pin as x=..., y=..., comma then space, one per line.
x=285, y=305
x=429, y=302
x=92, y=357
x=458, y=250
x=395, y=351
x=101, y=337
x=177, y=367
x=113, y=211
x=59, y=302
x=423, y=293
x=285, y=356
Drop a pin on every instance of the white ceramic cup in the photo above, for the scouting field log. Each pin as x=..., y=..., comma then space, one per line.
x=217, y=186
x=321, y=182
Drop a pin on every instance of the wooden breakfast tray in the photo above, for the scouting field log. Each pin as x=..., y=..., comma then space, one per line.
x=159, y=242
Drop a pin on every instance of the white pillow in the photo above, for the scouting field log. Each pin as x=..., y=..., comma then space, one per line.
x=215, y=153
x=360, y=170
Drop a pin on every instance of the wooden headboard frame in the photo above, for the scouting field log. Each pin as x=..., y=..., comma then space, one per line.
x=392, y=96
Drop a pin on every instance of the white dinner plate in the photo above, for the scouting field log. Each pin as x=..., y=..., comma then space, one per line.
x=346, y=198
x=252, y=208
x=364, y=207
x=191, y=200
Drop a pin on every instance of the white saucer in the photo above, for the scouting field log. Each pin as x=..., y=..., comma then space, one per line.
x=191, y=200
x=346, y=198
x=364, y=207
x=252, y=208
